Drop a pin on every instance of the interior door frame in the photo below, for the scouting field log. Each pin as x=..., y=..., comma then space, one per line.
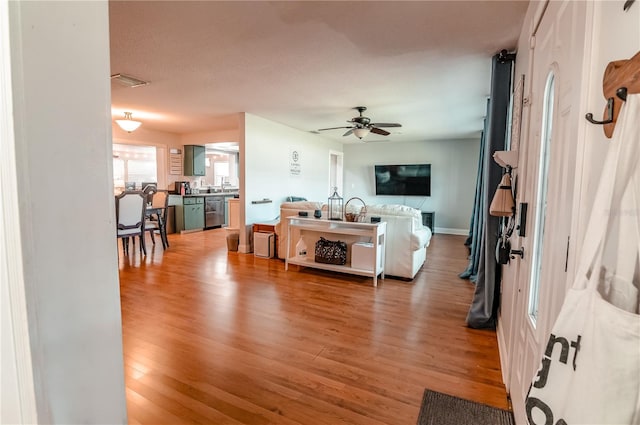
x=336, y=171
x=18, y=390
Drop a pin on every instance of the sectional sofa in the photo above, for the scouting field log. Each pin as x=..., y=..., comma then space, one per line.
x=406, y=241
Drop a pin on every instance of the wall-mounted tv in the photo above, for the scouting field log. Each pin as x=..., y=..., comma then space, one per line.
x=404, y=180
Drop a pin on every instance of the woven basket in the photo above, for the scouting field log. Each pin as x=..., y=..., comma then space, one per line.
x=353, y=217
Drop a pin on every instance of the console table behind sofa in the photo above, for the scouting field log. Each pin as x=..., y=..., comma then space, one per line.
x=312, y=229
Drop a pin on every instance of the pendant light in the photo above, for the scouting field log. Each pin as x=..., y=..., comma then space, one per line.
x=128, y=124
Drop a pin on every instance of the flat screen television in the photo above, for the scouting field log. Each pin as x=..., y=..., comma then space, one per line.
x=404, y=180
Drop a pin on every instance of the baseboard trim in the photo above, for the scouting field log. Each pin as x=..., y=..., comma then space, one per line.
x=503, y=353
x=448, y=231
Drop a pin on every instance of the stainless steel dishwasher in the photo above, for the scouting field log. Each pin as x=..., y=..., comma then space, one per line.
x=213, y=211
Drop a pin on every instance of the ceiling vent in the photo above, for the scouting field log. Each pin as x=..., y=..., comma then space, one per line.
x=128, y=80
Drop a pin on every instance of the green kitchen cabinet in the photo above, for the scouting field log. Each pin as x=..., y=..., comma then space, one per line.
x=194, y=160
x=193, y=213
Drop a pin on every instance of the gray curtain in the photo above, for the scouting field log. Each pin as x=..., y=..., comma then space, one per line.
x=476, y=226
x=482, y=263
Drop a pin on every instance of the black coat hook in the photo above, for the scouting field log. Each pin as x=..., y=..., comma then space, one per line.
x=608, y=119
x=622, y=93
x=627, y=5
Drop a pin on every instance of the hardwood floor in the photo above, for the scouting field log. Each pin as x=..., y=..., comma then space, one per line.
x=213, y=337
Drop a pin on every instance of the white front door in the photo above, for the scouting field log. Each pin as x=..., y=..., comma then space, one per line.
x=546, y=182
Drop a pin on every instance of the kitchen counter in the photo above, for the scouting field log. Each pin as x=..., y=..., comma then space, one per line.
x=176, y=199
x=229, y=194
x=200, y=211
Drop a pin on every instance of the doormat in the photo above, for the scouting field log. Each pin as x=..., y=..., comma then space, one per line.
x=443, y=409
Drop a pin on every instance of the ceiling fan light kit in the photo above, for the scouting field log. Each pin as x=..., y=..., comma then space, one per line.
x=361, y=125
x=128, y=124
x=361, y=132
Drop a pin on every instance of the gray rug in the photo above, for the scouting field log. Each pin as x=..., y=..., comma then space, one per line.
x=443, y=409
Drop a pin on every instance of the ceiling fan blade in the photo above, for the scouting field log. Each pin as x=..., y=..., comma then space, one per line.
x=386, y=124
x=379, y=131
x=348, y=132
x=332, y=128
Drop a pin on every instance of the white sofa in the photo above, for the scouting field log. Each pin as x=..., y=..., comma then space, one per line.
x=406, y=242
x=407, y=239
x=288, y=209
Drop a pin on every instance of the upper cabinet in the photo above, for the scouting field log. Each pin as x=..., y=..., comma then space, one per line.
x=194, y=160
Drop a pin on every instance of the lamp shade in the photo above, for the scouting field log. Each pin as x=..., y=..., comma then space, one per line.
x=503, y=204
x=128, y=124
x=361, y=132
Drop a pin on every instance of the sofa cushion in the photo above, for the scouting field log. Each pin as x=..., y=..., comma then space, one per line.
x=395, y=210
x=392, y=210
x=301, y=206
x=420, y=238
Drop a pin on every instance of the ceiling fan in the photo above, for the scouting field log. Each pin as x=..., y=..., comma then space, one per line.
x=361, y=125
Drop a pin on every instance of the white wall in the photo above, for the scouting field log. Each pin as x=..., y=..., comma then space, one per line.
x=145, y=136
x=265, y=156
x=202, y=138
x=615, y=35
x=17, y=392
x=63, y=130
x=454, y=164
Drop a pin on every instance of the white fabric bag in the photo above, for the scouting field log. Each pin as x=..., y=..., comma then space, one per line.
x=590, y=371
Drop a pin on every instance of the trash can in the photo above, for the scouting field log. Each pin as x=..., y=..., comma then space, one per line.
x=233, y=240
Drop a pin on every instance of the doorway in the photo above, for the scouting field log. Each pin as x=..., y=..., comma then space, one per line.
x=336, y=171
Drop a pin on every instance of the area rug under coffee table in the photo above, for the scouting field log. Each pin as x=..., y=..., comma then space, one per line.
x=443, y=409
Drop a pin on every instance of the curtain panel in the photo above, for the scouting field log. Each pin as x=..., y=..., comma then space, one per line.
x=483, y=268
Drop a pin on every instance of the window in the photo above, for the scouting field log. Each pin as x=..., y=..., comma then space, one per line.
x=220, y=173
x=541, y=198
x=133, y=164
x=222, y=168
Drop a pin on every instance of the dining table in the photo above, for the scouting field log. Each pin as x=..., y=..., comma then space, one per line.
x=158, y=213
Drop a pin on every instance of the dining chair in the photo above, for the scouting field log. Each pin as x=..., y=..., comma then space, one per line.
x=156, y=220
x=149, y=190
x=130, y=218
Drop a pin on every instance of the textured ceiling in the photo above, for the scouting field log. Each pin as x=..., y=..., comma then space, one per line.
x=305, y=64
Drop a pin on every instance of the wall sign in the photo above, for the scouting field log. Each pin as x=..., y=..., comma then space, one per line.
x=295, y=163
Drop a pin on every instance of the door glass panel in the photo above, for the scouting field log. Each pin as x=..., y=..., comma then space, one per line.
x=541, y=197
